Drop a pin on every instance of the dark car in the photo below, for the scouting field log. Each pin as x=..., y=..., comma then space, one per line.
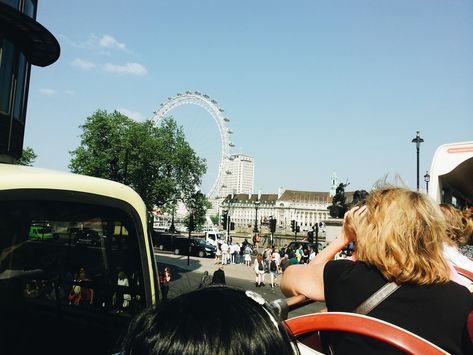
x=85, y=236
x=163, y=241
x=198, y=247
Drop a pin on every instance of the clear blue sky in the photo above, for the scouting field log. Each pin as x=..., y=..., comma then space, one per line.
x=311, y=87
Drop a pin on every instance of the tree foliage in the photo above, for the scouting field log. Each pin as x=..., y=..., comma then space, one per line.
x=101, y=152
x=27, y=158
x=157, y=162
x=197, y=204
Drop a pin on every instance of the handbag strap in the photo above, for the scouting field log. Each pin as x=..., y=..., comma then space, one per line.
x=376, y=298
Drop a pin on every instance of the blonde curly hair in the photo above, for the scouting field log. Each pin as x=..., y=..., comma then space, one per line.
x=459, y=224
x=402, y=235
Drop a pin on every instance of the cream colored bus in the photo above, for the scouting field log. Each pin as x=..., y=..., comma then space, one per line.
x=74, y=292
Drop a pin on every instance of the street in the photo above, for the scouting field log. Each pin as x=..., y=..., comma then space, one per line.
x=185, y=278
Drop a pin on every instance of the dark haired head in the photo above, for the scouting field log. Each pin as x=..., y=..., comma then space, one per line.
x=211, y=320
x=359, y=197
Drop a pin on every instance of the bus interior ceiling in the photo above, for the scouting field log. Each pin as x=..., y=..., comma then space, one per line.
x=458, y=183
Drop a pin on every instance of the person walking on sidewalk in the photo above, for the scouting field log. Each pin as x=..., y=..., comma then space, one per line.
x=247, y=253
x=225, y=255
x=273, y=270
x=164, y=280
x=259, y=270
x=218, y=254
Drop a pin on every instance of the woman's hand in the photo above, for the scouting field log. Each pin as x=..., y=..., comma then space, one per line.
x=308, y=280
x=350, y=221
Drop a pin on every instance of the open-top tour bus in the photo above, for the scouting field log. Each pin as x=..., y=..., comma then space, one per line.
x=77, y=262
x=451, y=174
x=89, y=267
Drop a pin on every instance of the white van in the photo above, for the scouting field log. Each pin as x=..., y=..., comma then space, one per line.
x=215, y=238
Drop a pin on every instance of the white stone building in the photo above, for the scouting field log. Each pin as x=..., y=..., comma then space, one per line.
x=306, y=207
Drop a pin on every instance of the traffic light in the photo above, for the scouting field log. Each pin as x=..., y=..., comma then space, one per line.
x=232, y=226
x=310, y=236
x=272, y=225
x=293, y=225
x=224, y=218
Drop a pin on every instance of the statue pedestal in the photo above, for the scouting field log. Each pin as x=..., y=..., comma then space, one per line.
x=333, y=228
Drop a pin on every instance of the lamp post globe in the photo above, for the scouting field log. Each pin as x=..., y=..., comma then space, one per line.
x=427, y=180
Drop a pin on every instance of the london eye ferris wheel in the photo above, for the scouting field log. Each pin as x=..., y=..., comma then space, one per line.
x=217, y=113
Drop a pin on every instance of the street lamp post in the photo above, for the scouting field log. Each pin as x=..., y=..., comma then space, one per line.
x=191, y=223
x=315, y=229
x=427, y=180
x=230, y=203
x=257, y=203
x=417, y=140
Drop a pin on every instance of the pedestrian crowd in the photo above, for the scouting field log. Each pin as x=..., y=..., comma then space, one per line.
x=232, y=253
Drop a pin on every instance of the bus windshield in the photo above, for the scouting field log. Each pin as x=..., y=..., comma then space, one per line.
x=60, y=263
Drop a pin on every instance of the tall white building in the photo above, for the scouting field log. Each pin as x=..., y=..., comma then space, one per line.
x=239, y=175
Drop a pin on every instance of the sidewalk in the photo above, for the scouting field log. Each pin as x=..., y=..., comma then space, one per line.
x=187, y=277
x=200, y=265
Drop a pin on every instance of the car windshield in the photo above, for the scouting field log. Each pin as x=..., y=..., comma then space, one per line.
x=200, y=241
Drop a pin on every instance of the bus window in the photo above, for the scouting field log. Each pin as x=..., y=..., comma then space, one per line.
x=69, y=271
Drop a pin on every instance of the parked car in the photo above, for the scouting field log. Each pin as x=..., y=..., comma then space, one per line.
x=85, y=236
x=163, y=241
x=179, y=244
x=199, y=247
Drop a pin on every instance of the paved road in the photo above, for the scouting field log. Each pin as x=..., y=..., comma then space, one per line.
x=187, y=277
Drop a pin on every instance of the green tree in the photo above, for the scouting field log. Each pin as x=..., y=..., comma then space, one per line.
x=157, y=162
x=101, y=152
x=197, y=205
x=215, y=219
x=180, y=169
x=27, y=158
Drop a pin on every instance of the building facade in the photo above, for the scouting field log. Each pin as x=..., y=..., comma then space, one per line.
x=305, y=207
x=23, y=42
